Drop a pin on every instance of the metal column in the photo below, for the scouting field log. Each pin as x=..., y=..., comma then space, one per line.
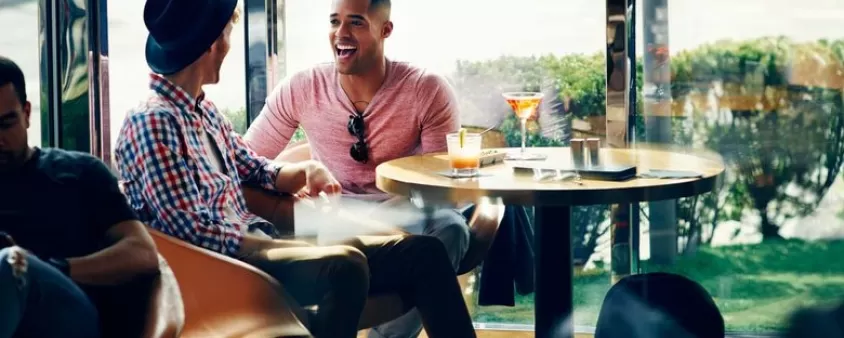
x=264, y=58
x=74, y=75
x=662, y=215
x=621, y=122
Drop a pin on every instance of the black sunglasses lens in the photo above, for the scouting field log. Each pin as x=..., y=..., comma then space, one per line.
x=355, y=125
x=359, y=152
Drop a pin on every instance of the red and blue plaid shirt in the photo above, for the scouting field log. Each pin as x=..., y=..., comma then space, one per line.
x=170, y=178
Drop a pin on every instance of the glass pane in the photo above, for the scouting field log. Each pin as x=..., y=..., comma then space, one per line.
x=19, y=24
x=129, y=73
x=759, y=82
x=484, y=50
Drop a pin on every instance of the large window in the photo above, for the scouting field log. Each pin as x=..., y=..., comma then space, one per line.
x=19, y=42
x=130, y=73
x=742, y=73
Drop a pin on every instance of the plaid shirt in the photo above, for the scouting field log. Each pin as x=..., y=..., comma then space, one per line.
x=170, y=179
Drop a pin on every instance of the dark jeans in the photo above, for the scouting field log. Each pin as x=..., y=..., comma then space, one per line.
x=340, y=278
x=43, y=303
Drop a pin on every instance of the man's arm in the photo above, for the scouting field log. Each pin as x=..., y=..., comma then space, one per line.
x=441, y=116
x=168, y=185
x=261, y=172
x=132, y=254
x=131, y=251
x=270, y=133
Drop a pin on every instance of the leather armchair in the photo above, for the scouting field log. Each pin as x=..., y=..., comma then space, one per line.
x=224, y=297
x=147, y=307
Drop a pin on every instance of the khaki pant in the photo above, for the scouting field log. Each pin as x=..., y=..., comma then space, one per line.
x=338, y=279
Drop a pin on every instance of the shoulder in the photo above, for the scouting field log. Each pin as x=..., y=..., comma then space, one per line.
x=153, y=114
x=425, y=80
x=59, y=162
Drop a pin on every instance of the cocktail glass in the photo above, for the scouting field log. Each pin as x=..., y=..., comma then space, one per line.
x=464, y=155
x=524, y=105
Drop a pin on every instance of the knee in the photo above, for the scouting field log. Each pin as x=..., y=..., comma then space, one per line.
x=451, y=228
x=347, y=265
x=5, y=260
x=425, y=248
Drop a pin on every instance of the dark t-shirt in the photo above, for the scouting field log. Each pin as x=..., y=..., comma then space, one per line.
x=61, y=203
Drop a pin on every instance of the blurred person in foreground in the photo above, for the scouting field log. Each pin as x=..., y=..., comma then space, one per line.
x=184, y=169
x=817, y=322
x=67, y=235
x=362, y=110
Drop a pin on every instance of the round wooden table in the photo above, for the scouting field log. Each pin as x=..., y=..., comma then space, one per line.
x=418, y=175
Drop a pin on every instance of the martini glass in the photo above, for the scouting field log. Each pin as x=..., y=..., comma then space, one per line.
x=524, y=104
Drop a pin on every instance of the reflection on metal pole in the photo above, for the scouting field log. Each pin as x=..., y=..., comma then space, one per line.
x=662, y=215
x=262, y=50
x=621, y=118
x=48, y=44
x=100, y=126
x=73, y=49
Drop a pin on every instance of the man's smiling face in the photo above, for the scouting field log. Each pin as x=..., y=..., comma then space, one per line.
x=357, y=35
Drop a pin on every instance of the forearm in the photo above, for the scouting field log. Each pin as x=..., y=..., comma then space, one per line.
x=292, y=177
x=120, y=262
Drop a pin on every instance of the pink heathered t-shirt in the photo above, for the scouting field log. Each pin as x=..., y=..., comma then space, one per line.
x=410, y=114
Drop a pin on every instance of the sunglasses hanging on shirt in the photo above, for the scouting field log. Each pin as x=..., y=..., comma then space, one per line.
x=359, y=150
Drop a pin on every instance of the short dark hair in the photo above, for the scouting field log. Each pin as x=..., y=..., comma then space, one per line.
x=11, y=73
x=379, y=4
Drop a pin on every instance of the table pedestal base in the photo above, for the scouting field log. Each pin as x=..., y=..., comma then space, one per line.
x=553, y=300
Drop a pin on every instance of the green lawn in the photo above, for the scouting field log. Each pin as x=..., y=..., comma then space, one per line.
x=755, y=286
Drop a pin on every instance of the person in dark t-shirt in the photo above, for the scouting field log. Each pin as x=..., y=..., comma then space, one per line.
x=66, y=231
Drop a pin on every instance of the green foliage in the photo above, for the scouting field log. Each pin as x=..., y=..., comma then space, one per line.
x=755, y=286
x=237, y=117
x=579, y=78
x=762, y=159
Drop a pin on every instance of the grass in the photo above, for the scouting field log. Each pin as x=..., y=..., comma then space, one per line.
x=756, y=287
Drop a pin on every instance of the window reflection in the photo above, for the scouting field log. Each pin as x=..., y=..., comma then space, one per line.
x=742, y=73
x=19, y=41
x=129, y=71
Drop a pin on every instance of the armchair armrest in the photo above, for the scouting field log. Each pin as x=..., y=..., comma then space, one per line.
x=483, y=226
x=224, y=297
x=166, y=312
x=148, y=306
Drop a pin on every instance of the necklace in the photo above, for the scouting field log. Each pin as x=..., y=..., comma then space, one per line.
x=355, y=105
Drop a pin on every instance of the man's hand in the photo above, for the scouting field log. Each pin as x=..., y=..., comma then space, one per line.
x=318, y=180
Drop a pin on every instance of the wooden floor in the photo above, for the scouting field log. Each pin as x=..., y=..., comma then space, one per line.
x=498, y=334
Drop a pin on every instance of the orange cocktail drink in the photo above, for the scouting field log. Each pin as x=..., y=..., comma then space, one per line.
x=464, y=153
x=524, y=105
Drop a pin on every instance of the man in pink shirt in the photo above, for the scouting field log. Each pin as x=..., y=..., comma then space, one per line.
x=361, y=111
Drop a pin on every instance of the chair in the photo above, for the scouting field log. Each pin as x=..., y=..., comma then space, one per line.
x=146, y=307
x=658, y=305
x=224, y=297
x=166, y=311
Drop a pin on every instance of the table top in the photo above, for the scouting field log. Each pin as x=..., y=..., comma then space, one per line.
x=419, y=175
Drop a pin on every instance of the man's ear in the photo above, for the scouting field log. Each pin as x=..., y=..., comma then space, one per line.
x=27, y=112
x=387, y=29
